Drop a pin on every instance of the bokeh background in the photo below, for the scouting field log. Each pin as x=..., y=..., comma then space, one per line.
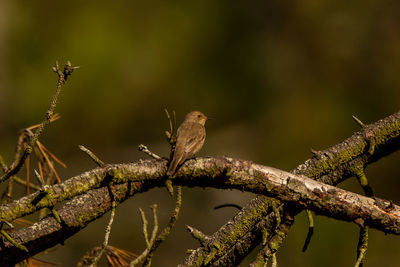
x=278, y=77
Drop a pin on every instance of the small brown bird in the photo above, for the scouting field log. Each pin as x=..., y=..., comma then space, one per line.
x=189, y=139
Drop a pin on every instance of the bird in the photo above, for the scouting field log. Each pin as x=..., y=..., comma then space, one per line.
x=189, y=139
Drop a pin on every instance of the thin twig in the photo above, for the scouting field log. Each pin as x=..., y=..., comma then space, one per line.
x=6, y=223
x=12, y=241
x=10, y=188
x=104, y=245
x=39, y=178
x=28, y=176
x=55, y=215
x=171, y=134
x=43, y=189
x=152, y=239
x=7, y=194
x=8, y=237
x=171, y=128
x=167, y=230
x=91, y=155
x=3, y=164
x=310, y=230
x=174, y=122
x=108, y=231
x=197, y=234
x=62, y=77
x=144, y=149
x=41, y=172
x=358, y=121
x=23, y=182
x=49, y=179
x=145, y=224
x=362, y=246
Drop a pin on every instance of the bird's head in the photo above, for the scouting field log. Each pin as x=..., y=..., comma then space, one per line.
x=196, y=116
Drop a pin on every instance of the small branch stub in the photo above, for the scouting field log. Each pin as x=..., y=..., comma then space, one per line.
x=358, y=121
x=197, y=234
x=144, y=149
x=96, y=159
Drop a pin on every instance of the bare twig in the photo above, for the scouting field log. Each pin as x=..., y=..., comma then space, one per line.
x=310, y=230
x=150, y=242
x=3, y=164
x=167, y=230
x=41, y=172
x=144, y=149
x=23, y=182
x=145, y=225
x=62, y=77
x=363, y=181
x=98, y=253
x=91, y=155
x=43, y=190
x=9, y=189
x=358, y=121
x=171, y=134
x=8, y=238
x=362, y=246
x=55, y=215
x=39, y=178
x=197, y=234
x=12, y=241
x=108, y=231
x=28, y=175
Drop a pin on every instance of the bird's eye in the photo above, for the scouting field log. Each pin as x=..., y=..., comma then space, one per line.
x=198, y=116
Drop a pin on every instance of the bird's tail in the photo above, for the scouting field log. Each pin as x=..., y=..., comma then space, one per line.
x=172, y=166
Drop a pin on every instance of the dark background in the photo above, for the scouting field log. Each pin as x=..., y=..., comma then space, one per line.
x=278, y=77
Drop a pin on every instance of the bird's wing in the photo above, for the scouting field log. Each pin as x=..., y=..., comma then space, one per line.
x=195, y=141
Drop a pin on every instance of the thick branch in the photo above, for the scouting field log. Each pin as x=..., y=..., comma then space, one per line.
x=152, y=171
x=296, y=190
x=75, y=186
x=333, y=166
x=75, y=214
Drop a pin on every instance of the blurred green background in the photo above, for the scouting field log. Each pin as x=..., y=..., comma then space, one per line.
x=278, y=77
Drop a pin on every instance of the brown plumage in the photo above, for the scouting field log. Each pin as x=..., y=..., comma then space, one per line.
x=189, y=139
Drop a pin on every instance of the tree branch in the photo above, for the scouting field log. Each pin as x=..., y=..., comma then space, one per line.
x=19, y=161
x=331, y=166
x=296, y=190
x=220, y=173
